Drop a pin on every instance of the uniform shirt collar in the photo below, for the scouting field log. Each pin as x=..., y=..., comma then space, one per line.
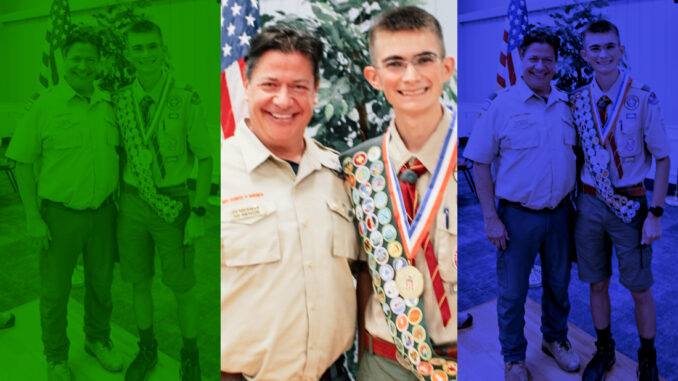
x=611, y=93
x=155, y=93
x=526, y=93
x=429, y=154
x=255, y=153
x=64, y=92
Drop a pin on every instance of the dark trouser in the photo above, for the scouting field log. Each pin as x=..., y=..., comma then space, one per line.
x=91, y=232
x=531, y=232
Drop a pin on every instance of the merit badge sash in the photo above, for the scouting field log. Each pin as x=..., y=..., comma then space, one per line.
x=140, y=153
x=593, y=138
x=386, y=235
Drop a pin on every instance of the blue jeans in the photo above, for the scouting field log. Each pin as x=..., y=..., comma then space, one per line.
x=531, y=232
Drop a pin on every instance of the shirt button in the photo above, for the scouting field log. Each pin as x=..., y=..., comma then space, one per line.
x=311, y=307
x=304, y=223
x=309, y=264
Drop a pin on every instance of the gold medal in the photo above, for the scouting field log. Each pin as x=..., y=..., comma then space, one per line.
x=410, y=282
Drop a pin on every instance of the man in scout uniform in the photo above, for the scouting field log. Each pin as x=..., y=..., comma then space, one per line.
x=405, y=201
x=163, y=130
x=288, y=302
x=620, y=130
x=68, y=139
x=526, y=131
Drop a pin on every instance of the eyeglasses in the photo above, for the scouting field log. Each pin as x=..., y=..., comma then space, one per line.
x=420, y=62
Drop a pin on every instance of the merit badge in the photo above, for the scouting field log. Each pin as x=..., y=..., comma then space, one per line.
x=395, y=249
x=439, y=375
x=413, y=355
x=451, y=368
x=378, y=183
x=356, y=195
x=384, y=216
x=403, y=361
x=602, y=157
x=365, y=190
x=386, y=273
x=359, y=214
x=425, y=351
x=408, y=339
x=380, y=295
x=419, y=333
x=377, y=168
x=632, y=102
x=410, y=282
x=362, y=174
x=402, y=323
x=399, y=263
x=376, y=281
x=376, y=238
x=412, y=302
x=371, y=222
x=367, y=246
x=174, y=102
x=380, y=200
x=397, y=305
x=351, y=180
x=386, y=309
x=348, y=165
x=424, y=368
x=145, y=157
x=392, y=328
x=368, y=205
x=362, y=228
x=381, y=255
x=415, y=315
x=373, y=153
x=359, y=159
x=389, y=233
x=399, y=345
x=391, y=289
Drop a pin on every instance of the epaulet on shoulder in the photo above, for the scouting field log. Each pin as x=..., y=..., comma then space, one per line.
x=642, y=86
x=493, y=95
x=364, y=146
x=324, y=147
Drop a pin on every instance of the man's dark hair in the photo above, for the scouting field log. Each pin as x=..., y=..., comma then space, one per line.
x=405, y=18
x=286, y=39
x=84, y=35
x=540, y=35
x=143, y=26
x=600, y=26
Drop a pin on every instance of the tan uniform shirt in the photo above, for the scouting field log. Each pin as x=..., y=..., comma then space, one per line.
x=639, y=134
x=72, y=142
x=288, y=305
x=443, y=234
x=182, y=132
x=529, y=143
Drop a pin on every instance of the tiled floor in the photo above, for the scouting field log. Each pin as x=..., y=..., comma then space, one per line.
x=477, y=284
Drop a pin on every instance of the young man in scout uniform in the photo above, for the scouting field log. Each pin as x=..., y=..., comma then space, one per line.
x=70, y=132
x=526, y=131
x=620, y=130
x=407, y=308
x=288, y=302
x=163, y=130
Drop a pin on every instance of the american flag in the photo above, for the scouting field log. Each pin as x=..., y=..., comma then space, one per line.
x=239, y=23
x=57, y=29
x=514, y=31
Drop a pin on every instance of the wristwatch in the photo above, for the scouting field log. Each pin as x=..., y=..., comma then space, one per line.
x=657, y=211
x=199, y=211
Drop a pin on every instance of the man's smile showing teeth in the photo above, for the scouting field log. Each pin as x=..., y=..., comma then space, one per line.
x=282, y=116
x=413, y=92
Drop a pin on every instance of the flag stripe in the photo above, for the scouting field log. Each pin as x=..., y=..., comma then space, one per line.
x=514, y=30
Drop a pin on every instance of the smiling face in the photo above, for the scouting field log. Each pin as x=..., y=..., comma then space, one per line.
x=410, y=68
x=602, y=51
x=145, y=51
x=80, y=67
x=281, y=92
x=539, y=65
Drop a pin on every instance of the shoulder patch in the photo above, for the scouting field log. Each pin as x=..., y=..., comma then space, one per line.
x=195, y=98
x=652, y=99
x=645, y=88
x=189, y=88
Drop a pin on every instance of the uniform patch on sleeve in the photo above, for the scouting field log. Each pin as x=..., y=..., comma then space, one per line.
x=195, y=99
x=653, y=99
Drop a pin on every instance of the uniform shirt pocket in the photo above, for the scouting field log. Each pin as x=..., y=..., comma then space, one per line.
x=172, y=140
x=521, y=133
x=344, y=237
x=249, y=233
x=63, y=140
x=629, y=138
x=569, y=133
x=445, y=241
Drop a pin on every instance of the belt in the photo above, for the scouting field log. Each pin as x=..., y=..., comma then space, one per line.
x=333, y=372
x=106, y=202
x=171, y=191
x=388, y=350
x=517, y=205
x=637, y=190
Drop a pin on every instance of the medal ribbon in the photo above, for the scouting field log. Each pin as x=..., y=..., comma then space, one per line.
x=413, y=234
x=150, y=128
x=604, y=128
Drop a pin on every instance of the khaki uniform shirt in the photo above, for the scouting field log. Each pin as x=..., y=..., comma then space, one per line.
x=182, y=132
x=639, y=134
x=288, y=304
x=529, y=143
x=73, y=143
x=443, y=234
